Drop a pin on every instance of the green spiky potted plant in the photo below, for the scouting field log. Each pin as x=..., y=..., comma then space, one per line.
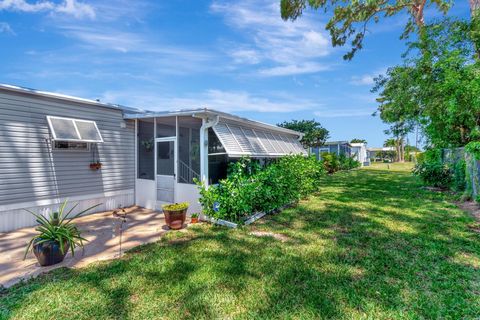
x=57, y=234
x=175, y=214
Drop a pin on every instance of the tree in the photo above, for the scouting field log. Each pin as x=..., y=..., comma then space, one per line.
x=355, y=140
x=349, y=19
x=315, y=134
x=396, y=143
x=437, y=87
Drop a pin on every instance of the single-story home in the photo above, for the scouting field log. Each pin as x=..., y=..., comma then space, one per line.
x=54, y=147
x=338, y=147
x=359, y=153
x=381, y=154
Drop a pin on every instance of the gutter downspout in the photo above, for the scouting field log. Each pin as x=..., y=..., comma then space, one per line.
x=206, y=123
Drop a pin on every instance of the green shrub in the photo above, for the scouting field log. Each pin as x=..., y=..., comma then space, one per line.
x=347, y=163
x=251, y=188
x=420, y=157
x=433, y=155
x=473, y=148
x=434, y=173
x=330, y=162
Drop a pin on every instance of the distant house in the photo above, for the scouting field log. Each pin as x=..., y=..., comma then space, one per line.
x=381, y=154
x=338, y=147
x=360, y=153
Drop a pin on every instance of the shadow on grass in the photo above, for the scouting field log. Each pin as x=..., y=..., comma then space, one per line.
x=370, y=244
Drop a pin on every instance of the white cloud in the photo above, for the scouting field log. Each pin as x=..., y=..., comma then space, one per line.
x=364, y=80
x=77, y=9
x=138, y=50
x=73, y=8
x=291, y=47
x=5, y=28
x=227, y=101
x=245, y=56
x=292, y=69
x=24, y=6
x=343, y=113
x=367, y=79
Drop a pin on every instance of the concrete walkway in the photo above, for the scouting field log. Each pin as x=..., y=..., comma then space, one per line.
x=101, y=229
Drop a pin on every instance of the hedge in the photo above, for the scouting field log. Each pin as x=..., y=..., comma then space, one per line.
x=251, y=188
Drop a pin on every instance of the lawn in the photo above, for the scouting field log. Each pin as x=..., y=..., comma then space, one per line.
x=371, y=245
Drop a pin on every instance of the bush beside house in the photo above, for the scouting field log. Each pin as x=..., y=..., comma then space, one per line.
x=251, y=188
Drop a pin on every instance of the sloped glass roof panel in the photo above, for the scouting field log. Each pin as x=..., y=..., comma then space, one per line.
x=88, y=130
x=66, y=129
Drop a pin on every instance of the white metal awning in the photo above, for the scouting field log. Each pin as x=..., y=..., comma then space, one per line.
x=242, y=140
x=78, y=130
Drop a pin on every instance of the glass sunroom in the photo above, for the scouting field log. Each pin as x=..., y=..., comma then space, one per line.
x=173, y=149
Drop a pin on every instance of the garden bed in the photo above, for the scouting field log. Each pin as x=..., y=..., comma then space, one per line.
x=251, y=219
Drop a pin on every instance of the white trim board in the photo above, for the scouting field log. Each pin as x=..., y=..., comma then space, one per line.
x=47, y=202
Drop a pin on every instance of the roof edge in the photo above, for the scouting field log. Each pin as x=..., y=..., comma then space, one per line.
x=64, y=97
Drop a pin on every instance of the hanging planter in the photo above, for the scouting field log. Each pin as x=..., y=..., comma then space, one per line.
x=95, y=164
x=148, y=144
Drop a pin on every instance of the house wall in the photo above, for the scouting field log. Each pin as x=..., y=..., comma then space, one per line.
x=34, y=176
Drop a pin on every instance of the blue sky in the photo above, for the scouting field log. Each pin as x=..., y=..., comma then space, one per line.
x=233, y=56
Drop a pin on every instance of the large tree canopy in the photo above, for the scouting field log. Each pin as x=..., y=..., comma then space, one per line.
x=438, y=87
x=349, y=19
x=315, y=134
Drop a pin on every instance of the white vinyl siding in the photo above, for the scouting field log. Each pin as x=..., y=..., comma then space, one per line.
x=31, y=170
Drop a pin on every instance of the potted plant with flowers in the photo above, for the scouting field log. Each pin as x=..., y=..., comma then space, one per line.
x=194, y=218
x=175, y=214
x=57, y=234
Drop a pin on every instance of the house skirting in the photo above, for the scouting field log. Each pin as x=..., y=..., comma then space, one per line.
x=15, y=216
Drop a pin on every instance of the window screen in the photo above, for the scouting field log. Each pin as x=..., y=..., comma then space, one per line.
x=69, y=145
x=65, y=129
x=88, y=130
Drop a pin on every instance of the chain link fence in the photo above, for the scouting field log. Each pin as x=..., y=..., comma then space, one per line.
x=454, y=157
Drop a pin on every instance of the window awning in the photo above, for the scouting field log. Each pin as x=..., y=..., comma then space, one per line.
x=239, y=140
x=67, y=129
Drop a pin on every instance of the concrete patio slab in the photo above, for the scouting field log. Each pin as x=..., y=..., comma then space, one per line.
x=101, y=229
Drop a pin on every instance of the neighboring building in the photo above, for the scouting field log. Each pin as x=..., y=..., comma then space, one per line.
x=338, y=147
x=381, y=154
x=50, y=145
x=359, y=153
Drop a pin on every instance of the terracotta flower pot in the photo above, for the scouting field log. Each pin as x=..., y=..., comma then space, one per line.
x=194, y=220
x=49, y=253
x=175, y=219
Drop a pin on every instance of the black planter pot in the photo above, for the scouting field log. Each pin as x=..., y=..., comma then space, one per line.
x=49, y=253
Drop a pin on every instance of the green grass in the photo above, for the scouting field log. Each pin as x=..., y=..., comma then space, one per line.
x=371, y=245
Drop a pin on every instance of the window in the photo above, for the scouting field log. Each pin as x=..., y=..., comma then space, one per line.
x=214, y=144
x=69, y=145
x=145, y=140
x=66, y=129
x=166, y=158
x=188, y=149
x=166, y=127
x=217, y=167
